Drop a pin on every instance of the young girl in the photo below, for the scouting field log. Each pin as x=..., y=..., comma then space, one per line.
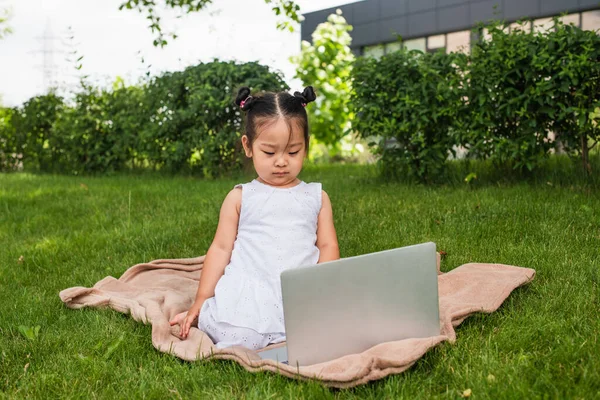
x=274, y=223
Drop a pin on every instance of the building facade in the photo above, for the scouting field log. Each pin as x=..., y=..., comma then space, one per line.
x=382, y=26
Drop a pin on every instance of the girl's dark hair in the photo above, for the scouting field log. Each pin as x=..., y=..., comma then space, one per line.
x=264, y=108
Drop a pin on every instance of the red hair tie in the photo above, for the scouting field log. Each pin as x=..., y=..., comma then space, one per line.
x=244, y=101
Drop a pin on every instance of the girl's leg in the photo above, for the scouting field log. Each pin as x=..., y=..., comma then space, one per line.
x=226, y=335
x=239, y=336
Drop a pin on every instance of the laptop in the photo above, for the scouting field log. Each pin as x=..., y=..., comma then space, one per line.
x=349, y=305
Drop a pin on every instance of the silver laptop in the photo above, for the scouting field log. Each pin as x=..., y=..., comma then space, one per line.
x=350, y=305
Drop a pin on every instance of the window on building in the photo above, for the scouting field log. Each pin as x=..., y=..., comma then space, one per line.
x=590, y=21
x=523, y=26
x=570, y=19
x=458, y=42
x=392, y=47
x=485, y=34
x=436, y=42
x=415, y=44
x=376, y=51
x=543, y=25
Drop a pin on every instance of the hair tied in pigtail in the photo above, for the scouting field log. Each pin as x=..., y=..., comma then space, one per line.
x=244, y=99
x=307, y=95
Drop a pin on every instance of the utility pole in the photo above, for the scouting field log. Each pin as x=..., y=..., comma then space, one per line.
x=48, y=52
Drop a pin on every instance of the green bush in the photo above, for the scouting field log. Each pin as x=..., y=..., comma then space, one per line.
x=33, y=131
x=178, y=121
x=326, y=65
x=9, y=156
x=99, y=133
x=576, y=83
x=500, y=102
x=511, y=98
x=194, y=122
x=412, y=102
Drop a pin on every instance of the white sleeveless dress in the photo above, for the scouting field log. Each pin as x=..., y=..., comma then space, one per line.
x=277, y=230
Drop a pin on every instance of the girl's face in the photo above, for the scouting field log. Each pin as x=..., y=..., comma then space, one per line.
x=277, y=156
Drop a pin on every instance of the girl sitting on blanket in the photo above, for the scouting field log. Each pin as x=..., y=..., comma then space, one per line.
x=269, y=225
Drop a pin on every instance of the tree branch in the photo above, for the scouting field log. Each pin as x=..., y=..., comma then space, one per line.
x=5, y=15
x=287, y=8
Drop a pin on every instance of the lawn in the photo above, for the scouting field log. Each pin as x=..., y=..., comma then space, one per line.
x=60, y=231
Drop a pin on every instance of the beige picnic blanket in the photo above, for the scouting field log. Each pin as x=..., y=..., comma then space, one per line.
x=154, y=292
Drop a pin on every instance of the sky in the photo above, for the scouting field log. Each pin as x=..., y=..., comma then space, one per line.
x=117, y=43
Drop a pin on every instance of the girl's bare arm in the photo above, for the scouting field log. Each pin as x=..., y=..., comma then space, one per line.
x=217, y=258
x=326, y=236
x=219, y=252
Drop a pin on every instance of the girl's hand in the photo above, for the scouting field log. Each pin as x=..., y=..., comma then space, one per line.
x=176, y=320
x=186, y=319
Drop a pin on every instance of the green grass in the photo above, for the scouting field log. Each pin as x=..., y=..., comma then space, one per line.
x=73, y=231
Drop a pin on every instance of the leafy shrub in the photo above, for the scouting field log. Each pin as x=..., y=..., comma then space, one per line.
x=575, y=63
x=9, y=156
x=33, y=132
x=100, y=131
x=178, y=121
x=326, y=64
x=511, y=98
x=500, y=102
x=193, y=120
x=411, y=101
